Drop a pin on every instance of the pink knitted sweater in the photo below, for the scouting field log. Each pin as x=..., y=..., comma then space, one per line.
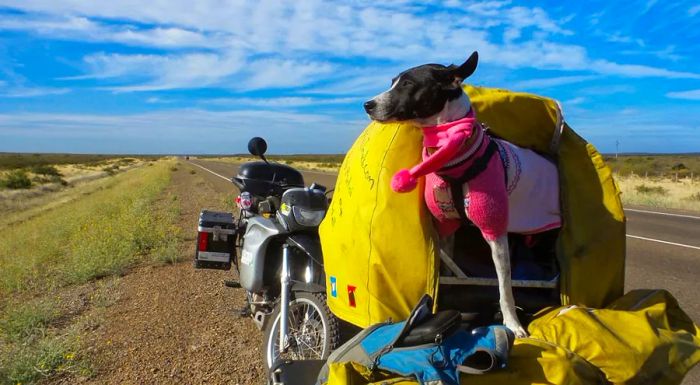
x=517, y=192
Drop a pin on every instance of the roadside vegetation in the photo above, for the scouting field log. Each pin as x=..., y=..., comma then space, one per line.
x=60, y=263
x=9, y=161
x=318, y=162
x=683, y=194
x=663, y=181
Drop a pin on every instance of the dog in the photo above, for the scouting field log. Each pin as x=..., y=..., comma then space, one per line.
x=498, y=183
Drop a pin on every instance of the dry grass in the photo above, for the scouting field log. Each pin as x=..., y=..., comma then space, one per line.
x=75, y=180
x=660, y=192
x=302, y=163
x=98, y=230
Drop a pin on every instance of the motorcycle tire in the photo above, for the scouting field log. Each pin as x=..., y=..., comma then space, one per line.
x=313, y=330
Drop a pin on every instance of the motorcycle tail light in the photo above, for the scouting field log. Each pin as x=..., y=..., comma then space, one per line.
x=203, y=241
x=244, y=201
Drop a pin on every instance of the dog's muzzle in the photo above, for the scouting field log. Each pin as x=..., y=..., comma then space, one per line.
x=370, y=105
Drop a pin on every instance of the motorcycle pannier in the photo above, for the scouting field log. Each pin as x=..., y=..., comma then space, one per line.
x=216, y=240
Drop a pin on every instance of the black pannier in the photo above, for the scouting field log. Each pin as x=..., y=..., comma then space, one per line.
x=216, y=240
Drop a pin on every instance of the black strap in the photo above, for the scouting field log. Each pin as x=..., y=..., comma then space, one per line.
x=476, y=168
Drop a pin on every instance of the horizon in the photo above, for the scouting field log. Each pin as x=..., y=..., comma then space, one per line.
x=165, y=79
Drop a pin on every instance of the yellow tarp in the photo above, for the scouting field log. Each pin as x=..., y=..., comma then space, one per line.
x=379, y=246
x=642, y=338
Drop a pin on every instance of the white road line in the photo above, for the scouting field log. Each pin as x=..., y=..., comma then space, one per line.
x=206, y=169
x=664, y=242
x=660, y=213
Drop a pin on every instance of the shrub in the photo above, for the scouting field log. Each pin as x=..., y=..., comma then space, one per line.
x=173, y=169
x=17, y=179
x=678, y=167
x=644, y=189
x=695, y=197
x=44, y=169
x=27, y=320
x=109, y=170
x=193, y=172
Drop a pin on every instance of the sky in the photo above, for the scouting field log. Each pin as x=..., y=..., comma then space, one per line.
x=186, y=77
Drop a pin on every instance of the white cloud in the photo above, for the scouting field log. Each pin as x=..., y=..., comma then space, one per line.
x=83, y=29
x=638, y=71
x=281, y=102
x=689, y=95
x=18, y=87
x=574, y=102
x=694, y=10
x=161, y=72
x=607, y=89
x=177, y=131
x=275, y=73
x=551, y=82
x=266, y=44
x=30, y=92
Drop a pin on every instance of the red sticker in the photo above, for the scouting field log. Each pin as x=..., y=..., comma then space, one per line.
x=351, y=295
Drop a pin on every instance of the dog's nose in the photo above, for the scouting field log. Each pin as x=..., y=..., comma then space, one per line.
x=369, y=106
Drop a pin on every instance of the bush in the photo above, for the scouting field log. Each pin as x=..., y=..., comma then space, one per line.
x=45, y=169
x=678, y=167
x=50, y=179
x=110, y=170
x=695, y=197
x=17, y=179
x=173, y=169
x=644, y=189
x=193, y=172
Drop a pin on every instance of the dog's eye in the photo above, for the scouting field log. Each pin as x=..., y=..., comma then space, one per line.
x=406, y=83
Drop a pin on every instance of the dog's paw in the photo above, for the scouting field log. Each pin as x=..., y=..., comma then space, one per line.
x=517, y=329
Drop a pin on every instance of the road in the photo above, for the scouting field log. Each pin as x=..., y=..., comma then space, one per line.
x=663, y=249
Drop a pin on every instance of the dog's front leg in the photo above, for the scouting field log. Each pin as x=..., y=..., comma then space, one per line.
x=501, y=260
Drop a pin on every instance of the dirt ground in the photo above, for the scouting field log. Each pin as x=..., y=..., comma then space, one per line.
x=173, y=324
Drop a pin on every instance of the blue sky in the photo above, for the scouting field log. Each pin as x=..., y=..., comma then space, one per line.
x=183, y=76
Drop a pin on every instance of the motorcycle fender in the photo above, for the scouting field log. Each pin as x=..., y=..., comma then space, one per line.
x=309, y=244
x=259, y=232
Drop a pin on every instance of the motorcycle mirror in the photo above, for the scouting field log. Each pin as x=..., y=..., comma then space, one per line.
x=257, y=146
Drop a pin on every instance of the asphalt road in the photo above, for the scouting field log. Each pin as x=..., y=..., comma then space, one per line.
x=663, y=248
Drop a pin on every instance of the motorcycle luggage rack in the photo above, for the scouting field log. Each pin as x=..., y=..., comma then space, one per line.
x=459, y=277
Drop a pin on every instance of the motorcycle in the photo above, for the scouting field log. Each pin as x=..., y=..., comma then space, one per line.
x=281, y=264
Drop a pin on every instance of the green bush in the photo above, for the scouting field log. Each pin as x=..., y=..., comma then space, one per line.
x=25, y=321
x=45, y=169
x=644, y=189
x=17, y=179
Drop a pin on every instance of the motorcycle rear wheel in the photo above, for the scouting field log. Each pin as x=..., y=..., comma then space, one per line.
x=313, y=330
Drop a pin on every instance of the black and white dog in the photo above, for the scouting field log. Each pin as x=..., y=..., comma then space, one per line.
x=504, y=188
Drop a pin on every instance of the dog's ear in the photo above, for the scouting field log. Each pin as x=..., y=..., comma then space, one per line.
x=465, y=70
